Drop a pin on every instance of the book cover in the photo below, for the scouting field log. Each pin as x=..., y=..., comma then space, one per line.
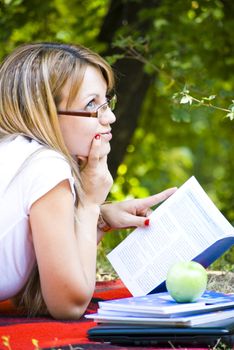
x=163, y=305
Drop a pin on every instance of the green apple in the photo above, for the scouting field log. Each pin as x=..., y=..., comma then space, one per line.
x=186, y=281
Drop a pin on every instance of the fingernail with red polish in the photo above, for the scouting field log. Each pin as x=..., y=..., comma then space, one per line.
x=147, y=221
x=97, y=137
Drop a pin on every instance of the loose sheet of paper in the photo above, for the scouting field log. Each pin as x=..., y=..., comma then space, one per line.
x=181, y=228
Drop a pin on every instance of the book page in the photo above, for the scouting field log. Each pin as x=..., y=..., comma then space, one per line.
x=181, y=228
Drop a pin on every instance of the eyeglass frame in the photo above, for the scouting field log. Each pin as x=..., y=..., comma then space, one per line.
x=90, y=114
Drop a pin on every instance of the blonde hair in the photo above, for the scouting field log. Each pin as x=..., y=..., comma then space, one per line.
x=31, y=82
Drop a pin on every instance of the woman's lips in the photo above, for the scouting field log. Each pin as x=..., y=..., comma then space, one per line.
x=107, y=136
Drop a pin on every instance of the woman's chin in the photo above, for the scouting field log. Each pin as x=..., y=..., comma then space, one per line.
x=105, y=149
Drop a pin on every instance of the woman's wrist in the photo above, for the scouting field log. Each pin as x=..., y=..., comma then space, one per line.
x=88, y=211
x=103, y=225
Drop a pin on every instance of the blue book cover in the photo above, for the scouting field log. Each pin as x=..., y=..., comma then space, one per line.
x=163, y=305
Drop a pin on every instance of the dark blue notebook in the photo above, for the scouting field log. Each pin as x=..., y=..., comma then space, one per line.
x=208, y=335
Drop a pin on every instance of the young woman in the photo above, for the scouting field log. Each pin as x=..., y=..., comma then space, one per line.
x=56, y=111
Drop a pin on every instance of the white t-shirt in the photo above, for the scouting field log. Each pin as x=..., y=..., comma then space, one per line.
x=25, y=176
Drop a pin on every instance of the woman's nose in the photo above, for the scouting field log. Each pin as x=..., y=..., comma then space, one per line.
x=108, y=117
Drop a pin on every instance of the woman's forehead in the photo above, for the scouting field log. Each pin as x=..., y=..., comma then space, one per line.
x=93, y=82
x=92, y=85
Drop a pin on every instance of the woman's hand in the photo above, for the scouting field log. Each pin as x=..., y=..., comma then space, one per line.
x=95, y=176
x=132, y=213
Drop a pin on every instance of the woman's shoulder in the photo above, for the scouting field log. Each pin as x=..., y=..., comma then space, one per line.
x=34, y=168
x=20, y=148
x=27, y=158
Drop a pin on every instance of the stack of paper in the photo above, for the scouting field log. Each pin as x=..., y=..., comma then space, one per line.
x=161, y=309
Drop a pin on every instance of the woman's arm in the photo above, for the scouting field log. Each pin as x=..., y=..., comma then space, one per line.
x=65, y=247
x=66, y=258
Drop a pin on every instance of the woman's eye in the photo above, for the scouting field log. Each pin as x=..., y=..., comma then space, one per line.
x=91, y=105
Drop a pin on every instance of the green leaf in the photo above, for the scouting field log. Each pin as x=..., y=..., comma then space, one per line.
x=114, y=58
x=180, y=115
x=185, y=90
x=211, y=97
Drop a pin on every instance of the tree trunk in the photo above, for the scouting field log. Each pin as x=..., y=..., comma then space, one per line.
x=132, y=81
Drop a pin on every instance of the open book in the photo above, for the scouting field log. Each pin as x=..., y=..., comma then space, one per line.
x=187, y=226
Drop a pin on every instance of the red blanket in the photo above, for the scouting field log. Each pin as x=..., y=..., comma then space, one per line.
x=18, y=332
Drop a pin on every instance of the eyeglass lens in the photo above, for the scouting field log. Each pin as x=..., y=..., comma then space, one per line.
x=112, y=102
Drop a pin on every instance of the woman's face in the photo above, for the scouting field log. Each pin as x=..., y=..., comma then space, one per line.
x=78, y=132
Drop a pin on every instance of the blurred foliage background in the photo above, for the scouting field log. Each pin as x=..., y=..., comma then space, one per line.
x=174, y=66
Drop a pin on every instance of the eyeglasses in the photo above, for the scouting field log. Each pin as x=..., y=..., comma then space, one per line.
x=110, y=103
